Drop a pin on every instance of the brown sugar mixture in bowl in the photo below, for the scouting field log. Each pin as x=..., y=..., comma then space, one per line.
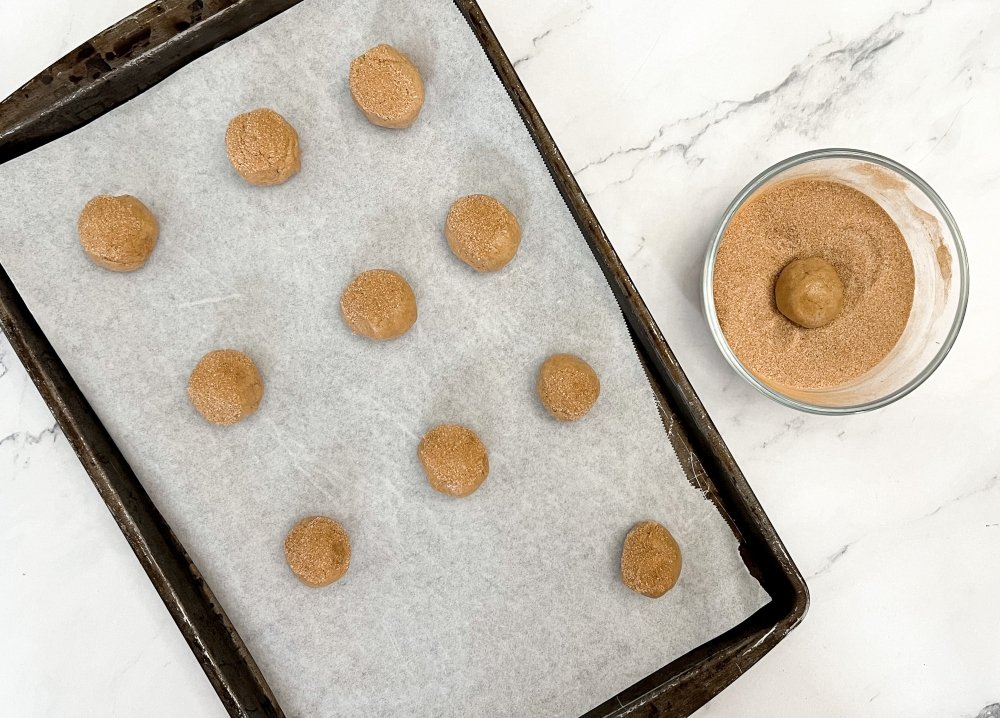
x=812, y=218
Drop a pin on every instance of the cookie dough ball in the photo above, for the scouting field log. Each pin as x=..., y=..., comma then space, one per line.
x=117, y=233
x=263, y=147
x=482, y=232
x=809, y=292
x=318, y=551
x=651, y=559
x=387, y=87
x=225, y=387
x=378, y=304
x=567, y=386
x=454, y=459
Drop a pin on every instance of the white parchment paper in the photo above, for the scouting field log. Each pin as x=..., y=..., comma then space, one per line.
x=504, y=603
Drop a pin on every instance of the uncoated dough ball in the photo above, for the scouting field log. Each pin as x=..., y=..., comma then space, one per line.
x=318, y=550
x=379, y=304
x=117, y=233
x=225, y=387
x=263, y=147
x=809, y=292
x=482, y=232
x=651, y=559
x=567, y=386
x=454, y=459
x=386, y=86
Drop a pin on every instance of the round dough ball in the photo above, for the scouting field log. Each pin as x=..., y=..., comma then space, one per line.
x=225, y=387
x=318, y=550
x=482, y=232
x=454, y=459
x=117, y=233
x=567, y=386
x=809, y=292
x=263, y=147
x=651, y=559
x=378, y=304
x=387, y=87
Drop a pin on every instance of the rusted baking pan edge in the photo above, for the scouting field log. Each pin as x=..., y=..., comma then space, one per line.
x=113, y=67
x=204, y=624
x=145, y=48
x=684, y=685
x=129, y=57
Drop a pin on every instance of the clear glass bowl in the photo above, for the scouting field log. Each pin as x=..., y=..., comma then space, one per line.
x=941, y=290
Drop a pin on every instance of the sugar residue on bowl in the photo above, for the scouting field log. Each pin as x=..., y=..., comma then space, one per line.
x=812, y=218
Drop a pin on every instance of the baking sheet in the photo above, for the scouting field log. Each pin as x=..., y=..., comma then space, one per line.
x=507, y=602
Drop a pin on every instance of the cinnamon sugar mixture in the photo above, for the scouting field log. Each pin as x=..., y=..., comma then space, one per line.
x=813, y=218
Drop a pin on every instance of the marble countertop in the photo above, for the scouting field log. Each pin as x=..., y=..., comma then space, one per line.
x=664, y=111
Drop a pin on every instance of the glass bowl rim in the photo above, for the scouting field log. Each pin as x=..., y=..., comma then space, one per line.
x=708, y=271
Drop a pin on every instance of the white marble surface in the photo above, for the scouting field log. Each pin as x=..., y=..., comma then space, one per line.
x=664, y=110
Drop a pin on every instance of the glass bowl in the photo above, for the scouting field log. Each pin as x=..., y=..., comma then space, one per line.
x=941, y=289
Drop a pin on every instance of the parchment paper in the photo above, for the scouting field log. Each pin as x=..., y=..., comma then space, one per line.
x=504, y=603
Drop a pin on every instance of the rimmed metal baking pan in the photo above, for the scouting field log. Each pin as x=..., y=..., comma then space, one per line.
x=148, y=46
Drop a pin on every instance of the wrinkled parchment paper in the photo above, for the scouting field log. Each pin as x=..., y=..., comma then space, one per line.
x=504, y=603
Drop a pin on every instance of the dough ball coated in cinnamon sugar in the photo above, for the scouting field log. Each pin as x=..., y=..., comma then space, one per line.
x=651, y=559
x=482, y=232
x=318, y=550
x=386, y=86
x=379, y=304
x=262, y=147
x=567, y=386
x=454, y=459
x=117, y=233
x=225, y=387
x=809, y=292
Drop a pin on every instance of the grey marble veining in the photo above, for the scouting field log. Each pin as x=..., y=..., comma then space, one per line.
x=892, y=516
